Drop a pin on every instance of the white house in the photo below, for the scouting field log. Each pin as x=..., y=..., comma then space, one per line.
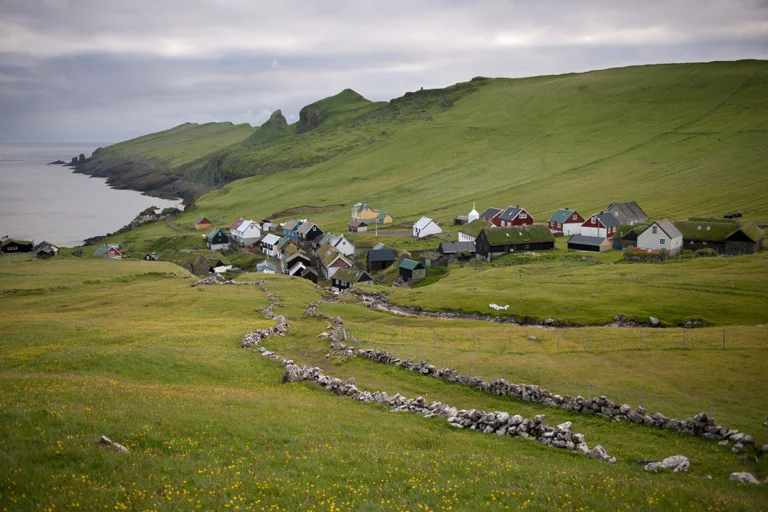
x=340, y=242
x=246, y=232
x=425, y=227
x=269, y=245
x=661, y=235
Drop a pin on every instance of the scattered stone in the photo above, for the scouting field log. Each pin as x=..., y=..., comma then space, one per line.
x=533, y=338
x=655, y=321
x=724, y=442
x=111, y=444
x=677, y=463
x=744, y=478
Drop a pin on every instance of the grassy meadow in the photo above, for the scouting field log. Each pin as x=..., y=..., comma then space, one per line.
x=155, y=364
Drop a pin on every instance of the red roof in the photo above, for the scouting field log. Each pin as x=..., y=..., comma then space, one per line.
x=357, y=223
x=237, y=224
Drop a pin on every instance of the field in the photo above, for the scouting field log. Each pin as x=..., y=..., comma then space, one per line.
x=155, y=364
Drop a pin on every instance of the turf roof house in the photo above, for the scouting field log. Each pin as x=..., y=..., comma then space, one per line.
x=362, y=211
x=340, y=242
x=245, y=232
x=269, y=245
x=380, y=259
x=469, y=232
x=661, y=234
x=494, y=242
x=724, y=237
x=627, y=213
x=331, y=260
x=217, y=240
x=601, y=225
x=9, y=246
x=266, y=267
x=565, y=222
x=425, y=227
x=347, y=277
x=202, y=223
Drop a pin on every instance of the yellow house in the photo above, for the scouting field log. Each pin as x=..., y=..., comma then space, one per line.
x=362, y=211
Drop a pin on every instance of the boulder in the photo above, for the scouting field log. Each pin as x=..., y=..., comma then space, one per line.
x=655, y=321
x=744, y=478
x=677, y=463
x=764, y=449
x=111, y=444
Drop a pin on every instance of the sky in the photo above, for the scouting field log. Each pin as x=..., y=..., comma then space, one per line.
x=109, y=70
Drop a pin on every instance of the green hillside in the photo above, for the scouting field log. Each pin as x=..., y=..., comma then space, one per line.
x=185, y=143
x=681, y=140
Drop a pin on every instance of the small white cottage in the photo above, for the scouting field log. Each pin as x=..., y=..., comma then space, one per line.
x=425, y=227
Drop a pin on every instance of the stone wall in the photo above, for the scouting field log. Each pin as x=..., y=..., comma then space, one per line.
x=700, y=425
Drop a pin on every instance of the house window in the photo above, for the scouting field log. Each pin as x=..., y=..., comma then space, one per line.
x=574, y=216
x=594, y=220
x=523, y=215
x=654, y=230
x=662, y=241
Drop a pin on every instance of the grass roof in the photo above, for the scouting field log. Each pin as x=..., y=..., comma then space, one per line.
x=701, y=230
x=475, y=227
x=536, y=233
x=752, y=231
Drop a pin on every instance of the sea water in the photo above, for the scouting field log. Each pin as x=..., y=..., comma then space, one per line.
x=49, y=202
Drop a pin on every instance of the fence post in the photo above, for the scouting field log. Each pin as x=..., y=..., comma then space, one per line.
x=589, y=343
x=558, y=344
x=589, y=391
x=723, y=338
x=641, y=338
x=509, y=340
x=713, y=406
x=683, y=329
x=642, y=402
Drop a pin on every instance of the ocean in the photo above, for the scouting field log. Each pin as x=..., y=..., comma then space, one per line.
x=49, y=202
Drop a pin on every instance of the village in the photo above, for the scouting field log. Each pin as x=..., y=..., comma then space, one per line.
x=301, y=248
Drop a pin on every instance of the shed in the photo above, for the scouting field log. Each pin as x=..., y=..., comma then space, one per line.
x=202, y=223
x=266, y=267
x=748, y=239
x=411, y=270
x=357, y=226
x=379, y=259
x=45, y=250
x=150, y=257
x=589, y=243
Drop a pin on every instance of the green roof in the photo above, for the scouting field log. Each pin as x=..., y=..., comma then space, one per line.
x=410, y=264
x=561, y=215
x=752, y=231
x=348, y=274
x=475, y=227
x=701, y=230
x=328, y=253
x=519, y=235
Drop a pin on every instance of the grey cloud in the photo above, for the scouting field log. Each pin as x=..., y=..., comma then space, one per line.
x=98, y=70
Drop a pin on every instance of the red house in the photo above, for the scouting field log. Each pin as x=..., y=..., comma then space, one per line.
x=515, y=216
x=601, y=224
x=492, y=215
x=565, y=222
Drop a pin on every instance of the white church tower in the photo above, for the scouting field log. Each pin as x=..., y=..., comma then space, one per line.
x=473, y=215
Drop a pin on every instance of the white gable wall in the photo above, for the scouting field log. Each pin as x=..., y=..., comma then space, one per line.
x=659, y=240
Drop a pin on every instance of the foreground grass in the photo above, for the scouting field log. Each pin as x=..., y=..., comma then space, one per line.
x=156, y=365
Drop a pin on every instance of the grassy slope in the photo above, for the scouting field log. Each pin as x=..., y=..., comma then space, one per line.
x=209, y=424
x=183, y=144
x=680, y=139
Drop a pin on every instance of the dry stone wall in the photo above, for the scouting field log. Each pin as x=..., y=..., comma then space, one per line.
x=700, y=425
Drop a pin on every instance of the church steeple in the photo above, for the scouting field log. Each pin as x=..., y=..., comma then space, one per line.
x=473, y=215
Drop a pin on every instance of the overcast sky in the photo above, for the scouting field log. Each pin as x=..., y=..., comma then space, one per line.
x=107, y=70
